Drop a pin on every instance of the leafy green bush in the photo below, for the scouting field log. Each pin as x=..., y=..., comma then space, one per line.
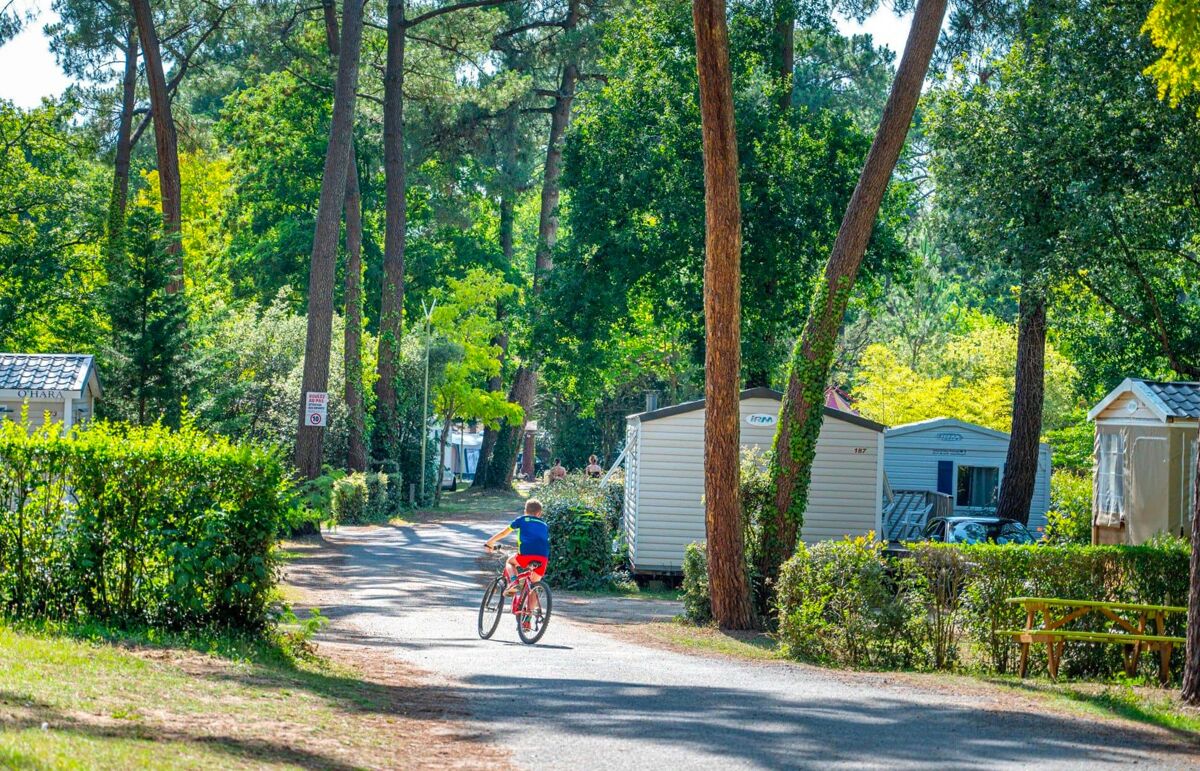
x=379, y=505
x=838, y=604
x=1069, y=519
x=360, y=499
x=697, y=603
x=580, y=545
x=943, y=606
x=1073, y=444
x=139, y=525
x=578, y=489
x=349, y=503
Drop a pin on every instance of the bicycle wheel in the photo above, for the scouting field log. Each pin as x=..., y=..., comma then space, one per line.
x=532, y=622
x=491, y=608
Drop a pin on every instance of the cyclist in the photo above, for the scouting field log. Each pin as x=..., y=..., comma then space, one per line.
x=533, y=544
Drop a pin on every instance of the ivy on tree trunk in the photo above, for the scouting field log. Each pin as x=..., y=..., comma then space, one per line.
x=803, y=403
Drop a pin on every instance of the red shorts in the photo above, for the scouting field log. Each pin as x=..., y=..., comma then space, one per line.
x=523, y=561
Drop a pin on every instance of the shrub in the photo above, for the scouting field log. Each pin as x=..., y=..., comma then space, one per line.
x=138, y=525
x=349, y=503
x=379, y=505
x=581, y=547
x=1069, y=519
x=837, y=603
x=945, y=604
x=697, y=603
x=585, y=531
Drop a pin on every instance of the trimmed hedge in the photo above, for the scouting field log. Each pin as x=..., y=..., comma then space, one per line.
x=847, y=603
x=138, y=525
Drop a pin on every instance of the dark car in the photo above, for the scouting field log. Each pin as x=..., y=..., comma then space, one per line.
x=977, y=530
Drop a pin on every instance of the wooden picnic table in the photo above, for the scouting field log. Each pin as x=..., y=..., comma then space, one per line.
x=1129, y=617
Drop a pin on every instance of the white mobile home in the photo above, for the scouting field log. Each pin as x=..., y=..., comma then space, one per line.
x=664, y=476
x=1145, y=455
x=61, y=386
x=962, y=460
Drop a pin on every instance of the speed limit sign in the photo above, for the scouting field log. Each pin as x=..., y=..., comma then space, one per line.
x=315, y=408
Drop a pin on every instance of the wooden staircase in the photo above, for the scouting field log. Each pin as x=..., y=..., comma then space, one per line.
x=905, y=513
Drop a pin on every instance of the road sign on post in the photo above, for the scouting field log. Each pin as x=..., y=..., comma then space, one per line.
x=315, y=406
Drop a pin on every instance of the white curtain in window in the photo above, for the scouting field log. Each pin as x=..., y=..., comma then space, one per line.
x=1110, y=478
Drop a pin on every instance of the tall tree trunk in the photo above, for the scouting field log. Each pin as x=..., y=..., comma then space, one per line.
x=785, y=50
x=166, y=144
x=802, y=409
x=356, y=449
x=120, y=192
x=391, y=313
x=496, y=383
x=325, y=237
x=722, y=322
x=1191, y=664
x=524, y=388
x=1021, y=464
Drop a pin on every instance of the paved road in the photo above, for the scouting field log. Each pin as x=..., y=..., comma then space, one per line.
x=583, y=699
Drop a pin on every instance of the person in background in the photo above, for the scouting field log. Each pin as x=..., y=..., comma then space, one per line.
x=557, y=472
x=594, y=469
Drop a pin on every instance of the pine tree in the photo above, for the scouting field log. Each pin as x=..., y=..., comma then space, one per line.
x=147, y=372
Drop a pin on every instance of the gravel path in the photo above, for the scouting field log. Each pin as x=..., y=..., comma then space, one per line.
x=583, y=699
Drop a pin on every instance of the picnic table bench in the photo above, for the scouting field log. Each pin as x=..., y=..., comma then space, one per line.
x=1132, y=620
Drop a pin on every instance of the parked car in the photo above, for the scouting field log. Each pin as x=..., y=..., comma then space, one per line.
x=977, y=530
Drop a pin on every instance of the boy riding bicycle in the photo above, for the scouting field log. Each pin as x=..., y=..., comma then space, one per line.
x=533, y=545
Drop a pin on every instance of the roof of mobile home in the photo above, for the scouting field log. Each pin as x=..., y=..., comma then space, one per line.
x=755, y=393
x=1166, y=401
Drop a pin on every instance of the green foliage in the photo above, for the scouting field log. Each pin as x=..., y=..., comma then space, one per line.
x=624, y=303
x=969, y=375
x=1069, y=519
x=941, y=607
x=50, y=225
x=1174, y=26
x=1073, y=443
x=173, y=529
x=837, y=604
x=584, y=518
x=361, y=498
x=147, y=368
x=349, y=503
x=697, y=602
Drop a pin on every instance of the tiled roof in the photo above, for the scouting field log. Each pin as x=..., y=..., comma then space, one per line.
x=1181, y=399
x=50, y=371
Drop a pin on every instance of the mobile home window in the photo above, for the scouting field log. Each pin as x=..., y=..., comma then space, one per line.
x=977, y=485
x=1110, y=474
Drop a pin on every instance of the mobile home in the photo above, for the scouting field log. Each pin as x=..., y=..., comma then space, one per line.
x=664, y=476
x=1145, y=461
x=962, y=460
x=60, y=386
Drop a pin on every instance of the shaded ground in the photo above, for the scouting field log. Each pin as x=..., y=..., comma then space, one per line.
x=587, y=699
x=67, y=703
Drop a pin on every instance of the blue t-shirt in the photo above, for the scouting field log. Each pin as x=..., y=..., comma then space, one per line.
x=533, y=536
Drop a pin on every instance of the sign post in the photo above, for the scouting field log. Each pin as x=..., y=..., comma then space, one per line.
x=315, y=409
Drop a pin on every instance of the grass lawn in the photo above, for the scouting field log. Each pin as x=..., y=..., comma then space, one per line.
x=483, y=504
x=77, y=703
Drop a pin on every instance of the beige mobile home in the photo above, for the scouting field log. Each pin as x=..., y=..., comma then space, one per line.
x=664, y=477
x=1145, y=460
x=62, y=386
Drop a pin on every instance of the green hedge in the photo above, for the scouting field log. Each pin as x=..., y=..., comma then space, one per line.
x=138, y=525
x=847, y=603
x=584, y=518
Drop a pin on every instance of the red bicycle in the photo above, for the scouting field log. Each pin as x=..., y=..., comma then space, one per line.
x=531, y=605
